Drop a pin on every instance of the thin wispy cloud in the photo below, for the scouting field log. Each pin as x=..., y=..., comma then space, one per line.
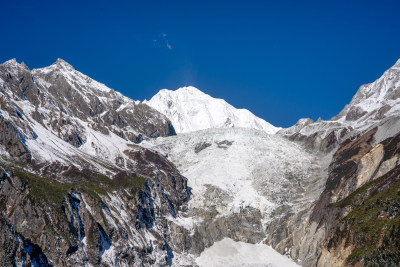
x=162, y=42
x=168, y=45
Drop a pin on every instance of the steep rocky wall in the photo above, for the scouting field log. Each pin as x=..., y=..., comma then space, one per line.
x=210, y=227
x=94, y=219
x=364, y=230
x=61, y=98
x=13, y=141
x=355, y=220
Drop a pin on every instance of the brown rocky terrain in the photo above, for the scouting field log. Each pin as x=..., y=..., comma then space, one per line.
x=355, y=219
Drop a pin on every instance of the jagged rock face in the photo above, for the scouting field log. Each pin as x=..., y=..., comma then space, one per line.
x=19, y=78
x=372, y=103
x=347, y=165
x=85, y=98
x=360, y=137
x=74, y=188
x=376, y=100
x=322, y=136
x=8, y=243
x=363, y=225
x=91, y=219
x=62, y=99
x=11, y=140
x=246, y=226
x=349, y=223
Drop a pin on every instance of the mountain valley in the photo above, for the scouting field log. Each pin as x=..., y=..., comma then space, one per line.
x=89, y=177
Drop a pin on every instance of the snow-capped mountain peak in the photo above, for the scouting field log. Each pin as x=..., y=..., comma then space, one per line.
x=397, y=65
x=58, y=106
x=63, y=64
x=190, y=109
x=71, y=76
x=12, y=61
x=375, y=100
x=189, y=90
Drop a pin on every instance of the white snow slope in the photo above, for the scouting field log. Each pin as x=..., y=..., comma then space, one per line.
x=252, y=168
x=190, y=110
x=231, y=253
x=98, y=149
x=249, y=169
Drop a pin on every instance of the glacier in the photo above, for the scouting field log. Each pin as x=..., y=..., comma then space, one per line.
x=251, y=186
x=241, y=172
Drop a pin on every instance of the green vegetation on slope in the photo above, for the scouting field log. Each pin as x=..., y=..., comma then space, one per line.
x=375, y=221
x=51, y=192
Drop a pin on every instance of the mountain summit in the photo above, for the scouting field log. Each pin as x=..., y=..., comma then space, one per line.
x=189, y=109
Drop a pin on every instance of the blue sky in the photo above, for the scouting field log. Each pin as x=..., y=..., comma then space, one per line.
x=282, y=60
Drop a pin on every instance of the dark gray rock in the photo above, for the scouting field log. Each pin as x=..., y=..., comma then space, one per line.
x=13, y=141
x=68, y=95
x=201, y=146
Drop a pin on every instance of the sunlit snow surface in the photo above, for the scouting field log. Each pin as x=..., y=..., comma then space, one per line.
x=252, y=168
x=230, y=253
x=189, y=109
x=242, y=168
x=46, y=144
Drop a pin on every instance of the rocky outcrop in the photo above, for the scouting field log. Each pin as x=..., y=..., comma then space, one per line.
x=13, y=141
x=61, y=99
x=372, y=104
x=355, y=219
x=334, y=232
x=245, y=226
x=95, y=219
x=74, y=189
x=364, y=228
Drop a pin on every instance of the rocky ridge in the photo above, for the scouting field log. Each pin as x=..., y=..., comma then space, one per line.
x=75, y=189
x=372, y=104
x=348, y=224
